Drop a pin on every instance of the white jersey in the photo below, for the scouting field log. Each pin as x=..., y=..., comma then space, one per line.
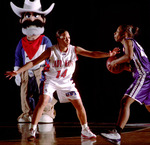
x=61, y=66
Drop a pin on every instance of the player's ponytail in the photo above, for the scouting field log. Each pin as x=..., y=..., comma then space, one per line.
x=130, y=29
x=135, y=31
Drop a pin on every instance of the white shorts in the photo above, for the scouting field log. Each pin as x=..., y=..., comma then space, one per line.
x=64, y=93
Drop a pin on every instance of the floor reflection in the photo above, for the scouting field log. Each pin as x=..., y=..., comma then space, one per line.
x=88, y=141
x=45, y=134
x=69, y=134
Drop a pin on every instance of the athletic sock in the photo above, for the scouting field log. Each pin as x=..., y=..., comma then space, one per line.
x=84, y=126
x=119, y=129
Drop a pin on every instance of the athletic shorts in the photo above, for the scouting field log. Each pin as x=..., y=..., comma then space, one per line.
x=139, y=90
x=64, y=93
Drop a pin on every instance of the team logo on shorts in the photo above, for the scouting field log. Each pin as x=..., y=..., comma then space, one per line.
x=72, y=93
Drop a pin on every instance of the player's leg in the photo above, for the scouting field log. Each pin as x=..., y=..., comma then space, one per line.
x=39, y=108
x=80, y=110
x=115, y=135
x=81, y=113
x=124, y=111
x=37, y=115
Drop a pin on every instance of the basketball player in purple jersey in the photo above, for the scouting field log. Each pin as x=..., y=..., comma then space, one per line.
x=58, y=77
x=139, y=90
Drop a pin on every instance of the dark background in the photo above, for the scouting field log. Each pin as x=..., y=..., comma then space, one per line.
x=91, y=24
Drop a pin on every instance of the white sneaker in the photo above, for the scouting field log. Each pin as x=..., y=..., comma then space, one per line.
x=25, y=118
x=86, y=133
x=113, y=136
x=45, y=128
x=31, y=135
x=45, y=119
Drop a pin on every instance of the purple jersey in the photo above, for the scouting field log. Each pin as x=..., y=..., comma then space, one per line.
x=139, y=90
x=140, y=63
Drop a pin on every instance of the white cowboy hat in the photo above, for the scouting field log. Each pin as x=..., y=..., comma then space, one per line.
x=29, y=6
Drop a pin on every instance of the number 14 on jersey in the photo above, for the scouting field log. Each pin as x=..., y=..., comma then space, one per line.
x=61, y=74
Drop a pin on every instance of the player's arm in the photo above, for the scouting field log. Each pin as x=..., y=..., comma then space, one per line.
x=95, y=54
x=127, y=57
x=30, y=64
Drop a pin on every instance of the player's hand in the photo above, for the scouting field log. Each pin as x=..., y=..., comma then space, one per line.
x=115, y=51
x=112, y=66
x=10, y=74
x=128, y=67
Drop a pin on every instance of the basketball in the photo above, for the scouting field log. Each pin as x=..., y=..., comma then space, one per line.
x=118, y=69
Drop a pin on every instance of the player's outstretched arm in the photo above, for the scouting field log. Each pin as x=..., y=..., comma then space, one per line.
x=96, y=54
x=29, y=65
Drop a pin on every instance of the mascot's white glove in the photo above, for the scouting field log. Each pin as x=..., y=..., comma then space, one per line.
x=17, y=77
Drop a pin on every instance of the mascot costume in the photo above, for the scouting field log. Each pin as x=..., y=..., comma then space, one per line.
x=32, y=19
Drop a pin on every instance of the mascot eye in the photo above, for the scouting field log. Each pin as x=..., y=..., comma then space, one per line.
x=27, y=15
x=36, y=15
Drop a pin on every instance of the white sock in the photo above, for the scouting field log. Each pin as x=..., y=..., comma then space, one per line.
x=84, y=126
x=33, y=126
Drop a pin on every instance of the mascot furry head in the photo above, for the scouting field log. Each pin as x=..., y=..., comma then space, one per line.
x=32, y=17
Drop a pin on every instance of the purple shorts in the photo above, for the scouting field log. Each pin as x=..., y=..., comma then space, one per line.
x=139, y=90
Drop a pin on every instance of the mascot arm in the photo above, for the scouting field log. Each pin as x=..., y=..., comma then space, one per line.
x=18, y=62
x=19, y=55
x=48, y=42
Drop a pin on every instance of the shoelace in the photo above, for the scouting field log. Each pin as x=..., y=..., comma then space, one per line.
x=112, y=131
x=88, y=130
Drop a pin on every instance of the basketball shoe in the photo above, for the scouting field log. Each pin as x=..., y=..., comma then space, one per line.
x=86, y=133
x=31, y=135
x=113, y=137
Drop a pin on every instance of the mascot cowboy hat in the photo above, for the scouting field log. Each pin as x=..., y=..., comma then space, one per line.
x=31, y=6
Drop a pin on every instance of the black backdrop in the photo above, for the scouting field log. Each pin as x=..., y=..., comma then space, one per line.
x=91, y=24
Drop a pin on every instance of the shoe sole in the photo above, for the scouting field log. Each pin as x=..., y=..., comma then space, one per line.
x=86, y=137
x=116, y=142
x=113, y=141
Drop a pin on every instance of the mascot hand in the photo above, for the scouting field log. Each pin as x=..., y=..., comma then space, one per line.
x=17, y=77
x=18, y=80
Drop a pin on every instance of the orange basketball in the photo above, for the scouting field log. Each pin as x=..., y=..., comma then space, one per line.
x=118, y=69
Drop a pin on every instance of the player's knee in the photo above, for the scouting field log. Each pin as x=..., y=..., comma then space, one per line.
x=126, y=102
x=43, y=100
x=44, y=103
x=123, y=103
x=80, y=108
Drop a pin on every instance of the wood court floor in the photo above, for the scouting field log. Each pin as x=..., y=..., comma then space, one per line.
x=69, y=134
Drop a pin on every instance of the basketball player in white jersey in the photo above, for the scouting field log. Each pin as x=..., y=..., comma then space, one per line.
x=60, y=66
